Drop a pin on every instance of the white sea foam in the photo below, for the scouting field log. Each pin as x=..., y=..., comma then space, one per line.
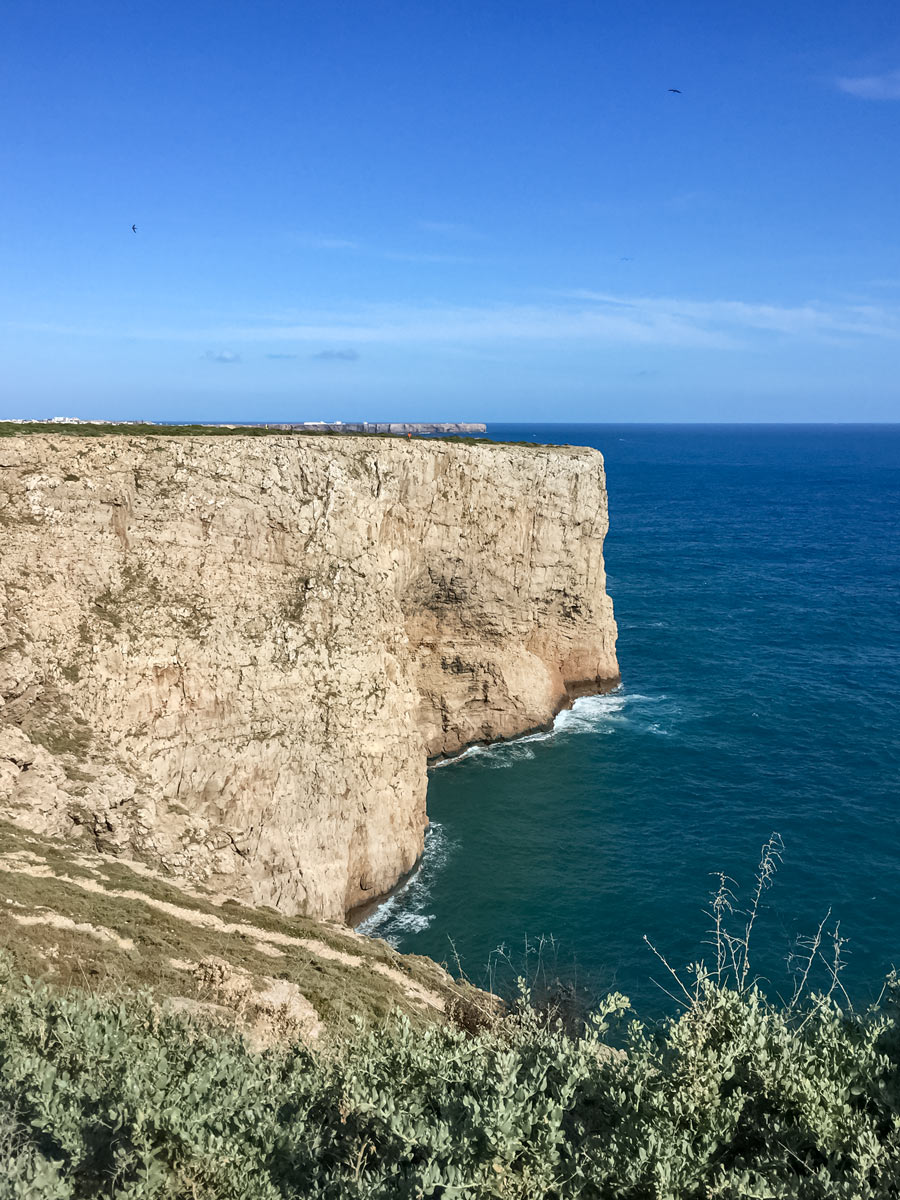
x=601, y=714
x=469, y=752
x=500, y=754
x=585, y=714
x=406, y=911
x=590, y=712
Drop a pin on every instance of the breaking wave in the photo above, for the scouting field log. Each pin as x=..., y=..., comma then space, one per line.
x=406, y=911
x=589, y=714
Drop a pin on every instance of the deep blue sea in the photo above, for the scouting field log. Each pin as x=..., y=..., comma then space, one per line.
x=755, y=572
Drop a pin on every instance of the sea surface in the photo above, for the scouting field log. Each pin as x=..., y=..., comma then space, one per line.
x=755, y=572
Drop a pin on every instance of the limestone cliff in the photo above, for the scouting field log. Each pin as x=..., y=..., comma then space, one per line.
x=234, y=655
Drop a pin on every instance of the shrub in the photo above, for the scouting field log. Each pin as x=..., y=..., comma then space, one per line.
x=733, y=1097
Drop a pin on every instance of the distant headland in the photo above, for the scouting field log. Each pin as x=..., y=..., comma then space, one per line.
x=395, y=427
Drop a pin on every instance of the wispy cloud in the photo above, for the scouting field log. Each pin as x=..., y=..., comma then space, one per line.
x=734, y=317
x=377, y=250
x=872, y=87
x=582, y=316
x=336, y=356
x=222, y=356
x=691, y=199
x=419, y=256
x=317, y=242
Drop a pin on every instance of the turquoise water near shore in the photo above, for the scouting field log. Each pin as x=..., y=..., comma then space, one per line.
x=755, y=572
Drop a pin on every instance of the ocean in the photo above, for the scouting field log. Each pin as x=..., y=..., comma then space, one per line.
x=755, y=573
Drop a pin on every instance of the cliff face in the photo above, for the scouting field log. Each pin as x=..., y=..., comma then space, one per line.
x=234, y=655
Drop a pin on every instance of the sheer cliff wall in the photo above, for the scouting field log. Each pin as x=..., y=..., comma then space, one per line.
x=235, y=655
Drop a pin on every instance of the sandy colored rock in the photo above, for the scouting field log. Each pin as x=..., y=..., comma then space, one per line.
x=275, y=1012
x=233, y=656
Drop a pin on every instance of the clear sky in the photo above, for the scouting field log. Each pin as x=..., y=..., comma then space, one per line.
x=457, y=209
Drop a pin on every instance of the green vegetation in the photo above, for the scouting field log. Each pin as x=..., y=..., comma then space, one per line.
x=20, y=429
x=734, y=1097
x=51, y=723
x=138, y=592
x=97, y=922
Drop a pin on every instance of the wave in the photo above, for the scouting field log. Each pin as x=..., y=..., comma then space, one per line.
x=406, y=911
x=501, y=754
x=588, y=714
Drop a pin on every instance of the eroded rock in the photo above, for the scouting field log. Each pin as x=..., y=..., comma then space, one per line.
x=234, y=655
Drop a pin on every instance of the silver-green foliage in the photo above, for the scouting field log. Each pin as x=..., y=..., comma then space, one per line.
x=737, y=1097
x=734, y=1098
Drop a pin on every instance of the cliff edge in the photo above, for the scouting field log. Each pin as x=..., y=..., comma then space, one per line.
x=233, y=656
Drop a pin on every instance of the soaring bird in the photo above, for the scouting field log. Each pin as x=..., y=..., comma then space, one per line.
x=134, y=229
x=677, y=91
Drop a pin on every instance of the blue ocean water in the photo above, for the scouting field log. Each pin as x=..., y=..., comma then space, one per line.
x=755, y=572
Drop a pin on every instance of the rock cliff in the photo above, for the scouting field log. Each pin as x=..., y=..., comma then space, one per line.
x=233, y=656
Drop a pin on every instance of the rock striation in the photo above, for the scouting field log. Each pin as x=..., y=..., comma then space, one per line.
x=234, y=656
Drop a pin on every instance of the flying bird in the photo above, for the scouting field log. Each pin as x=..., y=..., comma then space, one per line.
x=677, y=91
x=134, y=229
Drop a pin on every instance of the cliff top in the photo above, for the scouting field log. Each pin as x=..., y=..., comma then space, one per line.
x=9, y=429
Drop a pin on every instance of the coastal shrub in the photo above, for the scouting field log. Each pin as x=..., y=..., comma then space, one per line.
x=734, y=1096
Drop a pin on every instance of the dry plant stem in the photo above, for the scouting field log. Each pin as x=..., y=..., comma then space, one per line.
x=690, y=999
x=722, y=905
x=836, y=966
x=770, y=858
x=732, y=951
x=814, y=943
x=834, y=969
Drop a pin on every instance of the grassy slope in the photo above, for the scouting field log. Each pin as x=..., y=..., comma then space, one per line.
x=106, y=924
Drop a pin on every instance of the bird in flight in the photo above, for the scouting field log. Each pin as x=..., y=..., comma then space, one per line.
x=677, y=91
x=134, y=229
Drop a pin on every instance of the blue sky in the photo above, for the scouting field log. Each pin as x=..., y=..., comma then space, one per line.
x=482, y=209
